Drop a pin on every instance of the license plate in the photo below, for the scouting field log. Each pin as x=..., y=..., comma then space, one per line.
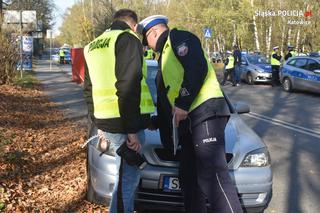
x=171, y=184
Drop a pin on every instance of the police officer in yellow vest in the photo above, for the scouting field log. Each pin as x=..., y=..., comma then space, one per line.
x=291, y=52
x=118, y=98
x=275, y=65
x=229, y=69
x=188, y=90
x=61, y=56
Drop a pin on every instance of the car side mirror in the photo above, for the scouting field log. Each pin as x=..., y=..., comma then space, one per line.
x=244, y=63
x=242, y=107
x=316, y=71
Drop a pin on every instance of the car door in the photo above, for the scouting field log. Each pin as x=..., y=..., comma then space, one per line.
x=313, y=76
x=300, y=74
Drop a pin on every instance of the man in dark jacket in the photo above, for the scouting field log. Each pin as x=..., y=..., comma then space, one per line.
x=118, y=99
x=237, y=64
x=188, y=91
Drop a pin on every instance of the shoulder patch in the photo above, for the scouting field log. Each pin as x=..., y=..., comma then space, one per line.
x=182, y=49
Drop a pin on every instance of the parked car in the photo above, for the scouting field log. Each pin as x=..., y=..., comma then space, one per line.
x=301, y=73
x=247, y=156
x=255, y=68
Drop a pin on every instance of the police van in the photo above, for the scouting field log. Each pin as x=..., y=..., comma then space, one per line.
x=301, y=73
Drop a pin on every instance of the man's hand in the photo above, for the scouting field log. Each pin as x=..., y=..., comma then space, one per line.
x=133, y=142
x=180, y=114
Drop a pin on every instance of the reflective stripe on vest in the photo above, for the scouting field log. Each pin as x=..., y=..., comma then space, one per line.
x=230, y=64
x=172, y=72
x=101, y=60
x=274, y=61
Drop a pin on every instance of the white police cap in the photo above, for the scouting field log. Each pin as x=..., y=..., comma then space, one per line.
x=276, y=47
x=149, y=22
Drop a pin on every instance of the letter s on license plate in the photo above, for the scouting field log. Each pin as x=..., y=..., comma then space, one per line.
x=171, y=184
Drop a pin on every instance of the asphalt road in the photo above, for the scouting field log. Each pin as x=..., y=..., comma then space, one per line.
x=289, y=123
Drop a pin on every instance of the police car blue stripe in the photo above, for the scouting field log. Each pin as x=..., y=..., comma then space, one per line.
x=301, y=75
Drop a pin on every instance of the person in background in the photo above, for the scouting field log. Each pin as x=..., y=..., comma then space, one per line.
x=275, y=65
x=61, y=55
x=291, y=52
x=229, y=69
x=237, y=64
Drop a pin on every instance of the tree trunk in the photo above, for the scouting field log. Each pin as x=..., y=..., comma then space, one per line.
x=255, y=29
x=268, y=38
x=298, y=41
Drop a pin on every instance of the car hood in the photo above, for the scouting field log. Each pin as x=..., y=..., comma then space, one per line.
x=240, y=140
x=264, y=67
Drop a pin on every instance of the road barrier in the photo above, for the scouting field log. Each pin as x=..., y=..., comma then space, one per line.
x=77, y=59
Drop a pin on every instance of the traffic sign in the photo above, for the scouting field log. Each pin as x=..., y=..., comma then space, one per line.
x=207, y=32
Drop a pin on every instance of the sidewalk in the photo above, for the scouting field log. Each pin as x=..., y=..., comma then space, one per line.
x=59, y=88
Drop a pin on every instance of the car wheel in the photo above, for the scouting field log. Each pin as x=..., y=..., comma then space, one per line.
x=287, y=85
x=250, y=79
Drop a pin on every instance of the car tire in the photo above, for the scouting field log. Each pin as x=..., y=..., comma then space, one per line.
x=287, y=85
x=250, y=79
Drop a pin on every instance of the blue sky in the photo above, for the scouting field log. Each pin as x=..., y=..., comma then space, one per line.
x=61, y=5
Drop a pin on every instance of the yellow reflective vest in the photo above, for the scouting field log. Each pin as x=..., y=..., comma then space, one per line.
x=149, y=55
x=102, y=75
x=274, y=61
x=173, y=72
x=230, y=64
x=61, y=53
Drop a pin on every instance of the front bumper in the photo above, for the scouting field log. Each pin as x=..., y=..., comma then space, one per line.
x=255, y=191
x=263, y=77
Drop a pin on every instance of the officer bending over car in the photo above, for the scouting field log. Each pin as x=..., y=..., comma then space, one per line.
x=187, y=88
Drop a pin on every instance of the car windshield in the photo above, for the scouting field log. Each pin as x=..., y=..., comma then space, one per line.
x=257, y=59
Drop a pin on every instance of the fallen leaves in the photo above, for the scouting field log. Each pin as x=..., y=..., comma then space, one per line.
x=42, y=167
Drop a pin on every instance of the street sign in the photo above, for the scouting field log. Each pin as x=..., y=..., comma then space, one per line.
x=49, y=34
x=207, y=32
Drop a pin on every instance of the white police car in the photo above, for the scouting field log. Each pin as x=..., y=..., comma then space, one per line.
x=301, y=73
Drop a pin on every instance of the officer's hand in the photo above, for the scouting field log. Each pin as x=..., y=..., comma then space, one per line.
x=180, y=114
x=133, y=142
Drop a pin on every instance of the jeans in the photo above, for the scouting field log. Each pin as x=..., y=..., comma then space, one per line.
x=130, y=176
x=237, y=73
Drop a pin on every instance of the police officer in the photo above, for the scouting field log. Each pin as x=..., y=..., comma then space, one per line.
x=119, y=101
x=229, y=69
x=275, y=65
x=61, y=55
x=187, y=88
x=291, y=52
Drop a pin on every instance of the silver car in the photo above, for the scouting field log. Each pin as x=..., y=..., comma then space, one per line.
x=301, y=73
x=255, y=68
x=247, y=156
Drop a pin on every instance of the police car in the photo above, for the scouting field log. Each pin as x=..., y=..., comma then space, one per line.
x=301, y=73
x=246, y=154
x=255, y=68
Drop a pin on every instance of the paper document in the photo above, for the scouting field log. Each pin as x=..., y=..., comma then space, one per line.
x=175, y=134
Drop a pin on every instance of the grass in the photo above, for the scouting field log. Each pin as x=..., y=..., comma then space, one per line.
x=28, y=80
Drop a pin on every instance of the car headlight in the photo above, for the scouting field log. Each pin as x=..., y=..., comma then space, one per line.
x=257, y=158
